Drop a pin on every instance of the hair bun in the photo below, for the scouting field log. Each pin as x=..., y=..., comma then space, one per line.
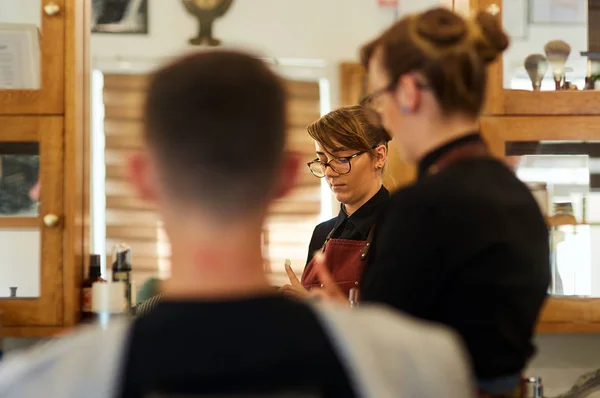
x=493, y=40
x=441, y=27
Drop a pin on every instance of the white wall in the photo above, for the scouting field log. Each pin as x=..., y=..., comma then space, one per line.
x=323, y=31
x=529, y=38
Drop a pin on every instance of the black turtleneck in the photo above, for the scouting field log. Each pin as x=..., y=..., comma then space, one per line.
x=431, y=158
x=466, y=247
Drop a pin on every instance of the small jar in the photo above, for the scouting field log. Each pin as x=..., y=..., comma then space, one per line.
x=563, y=209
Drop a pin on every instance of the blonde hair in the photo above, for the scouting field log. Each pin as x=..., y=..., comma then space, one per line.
x=347, y=127
x=451, y=52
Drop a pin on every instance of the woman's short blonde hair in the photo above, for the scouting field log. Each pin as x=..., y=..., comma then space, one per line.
x=347, y=127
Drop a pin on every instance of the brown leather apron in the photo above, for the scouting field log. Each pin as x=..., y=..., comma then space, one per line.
x=471, y=150
x=345, y=260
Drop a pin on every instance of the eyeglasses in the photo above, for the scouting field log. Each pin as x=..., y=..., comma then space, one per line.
x=372, y=103
x=340, y=165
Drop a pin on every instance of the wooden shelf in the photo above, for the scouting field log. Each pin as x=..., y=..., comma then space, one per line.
x=570, y=315
x=32, y=331
x=549, y=103
x=562, y=220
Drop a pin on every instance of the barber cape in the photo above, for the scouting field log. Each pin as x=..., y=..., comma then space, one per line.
x=385, y=355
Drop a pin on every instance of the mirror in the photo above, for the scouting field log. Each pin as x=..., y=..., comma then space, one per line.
x=19, y=184
x=569, y=173
x=20, y=235
x=20, y=246
x=531, y=25
x=20, y=26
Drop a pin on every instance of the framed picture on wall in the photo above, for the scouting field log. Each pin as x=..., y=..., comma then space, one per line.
x=120, y=16
x=558, y=11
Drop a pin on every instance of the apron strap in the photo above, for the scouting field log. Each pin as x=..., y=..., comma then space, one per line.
x=365, y=250
x=327, y=239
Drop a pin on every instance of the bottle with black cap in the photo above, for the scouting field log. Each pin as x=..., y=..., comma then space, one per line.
x=94, y=276
x=121, y=268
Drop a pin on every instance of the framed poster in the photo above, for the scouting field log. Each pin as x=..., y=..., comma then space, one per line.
x=120, y=16
x=558, y=11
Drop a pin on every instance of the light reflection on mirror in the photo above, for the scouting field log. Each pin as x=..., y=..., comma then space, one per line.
x=21, y=11
x=20, y=265
x=571, y=174
x=19, y=179
x=20, y=237
x=531, y=24
x=20, y=28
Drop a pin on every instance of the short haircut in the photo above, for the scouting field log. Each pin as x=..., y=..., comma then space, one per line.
x=348, y=127
x=216, y=122
x=450, y=51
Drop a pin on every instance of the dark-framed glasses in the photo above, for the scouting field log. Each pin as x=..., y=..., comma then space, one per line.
x=341, y=165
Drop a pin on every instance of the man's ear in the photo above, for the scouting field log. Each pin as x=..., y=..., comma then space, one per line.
x=142, y=176
x=288, y=176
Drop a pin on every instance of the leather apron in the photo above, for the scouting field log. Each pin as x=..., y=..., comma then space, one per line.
x=346, y=262
x=471, y=150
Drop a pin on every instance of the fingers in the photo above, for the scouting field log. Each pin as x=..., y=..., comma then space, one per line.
x=296, y=291
x=283, y=288
x=290, y=272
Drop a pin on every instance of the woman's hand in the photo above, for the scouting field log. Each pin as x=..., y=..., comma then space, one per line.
x=294, y=288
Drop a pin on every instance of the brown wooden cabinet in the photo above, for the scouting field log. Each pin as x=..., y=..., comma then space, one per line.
x=526, y=116
x=50, y=124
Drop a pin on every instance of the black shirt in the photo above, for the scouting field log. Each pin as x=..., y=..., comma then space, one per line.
x=262, y=345
x=354, y=227
x=466, y=247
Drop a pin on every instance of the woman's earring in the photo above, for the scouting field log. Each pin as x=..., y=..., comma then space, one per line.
x=379, y=167
x=405, y=109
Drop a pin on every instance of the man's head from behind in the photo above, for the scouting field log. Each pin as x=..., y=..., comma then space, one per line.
x=215, y=132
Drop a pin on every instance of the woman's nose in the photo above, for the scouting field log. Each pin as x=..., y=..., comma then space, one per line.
x=329, y=172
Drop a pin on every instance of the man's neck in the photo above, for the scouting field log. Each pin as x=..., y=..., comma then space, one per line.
x=225, y=264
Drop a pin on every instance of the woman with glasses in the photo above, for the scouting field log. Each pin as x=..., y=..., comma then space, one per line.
x=351, y=155
x=466, y=245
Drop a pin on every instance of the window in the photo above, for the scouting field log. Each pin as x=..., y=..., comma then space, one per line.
x=290, y=222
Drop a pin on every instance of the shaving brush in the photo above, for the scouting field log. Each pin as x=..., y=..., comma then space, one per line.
x=536, y=66
x=557, y=52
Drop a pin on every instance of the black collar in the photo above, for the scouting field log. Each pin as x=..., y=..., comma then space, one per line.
x=432, y=157
x=364, y=218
